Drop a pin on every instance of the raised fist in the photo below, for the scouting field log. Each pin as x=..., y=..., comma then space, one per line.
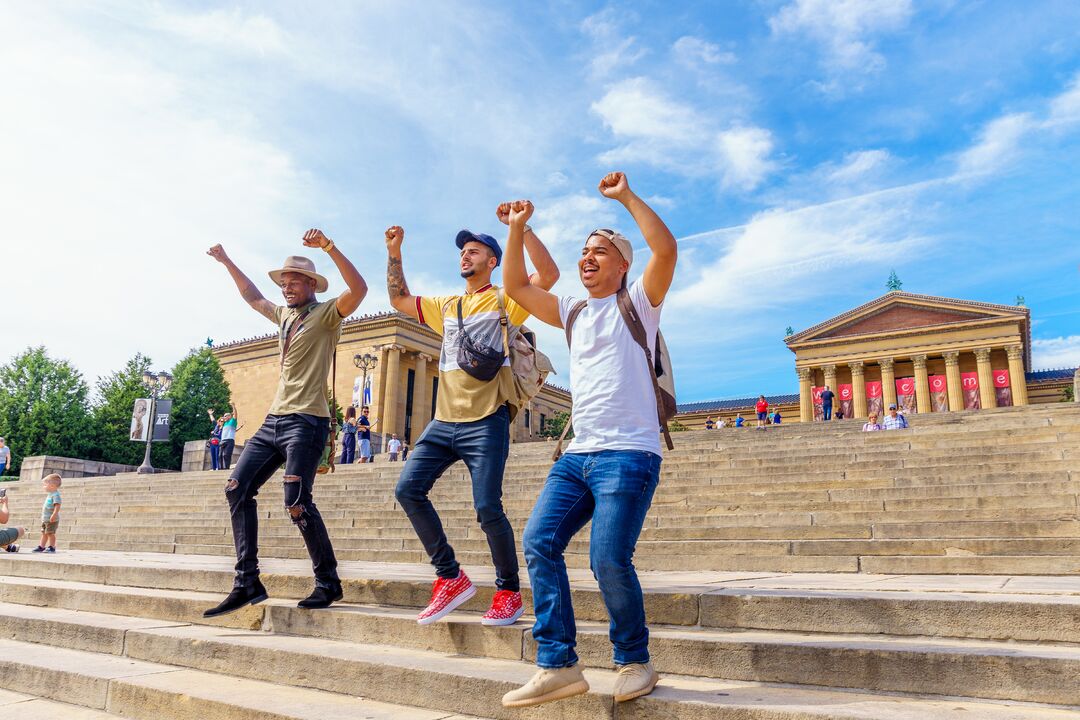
x=218, y=253
x=314, y=238
x=520, y=212
x=614, y=186
x=503, y=213
x=395, y=235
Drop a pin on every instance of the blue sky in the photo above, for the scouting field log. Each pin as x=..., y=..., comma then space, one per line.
x=800, y=150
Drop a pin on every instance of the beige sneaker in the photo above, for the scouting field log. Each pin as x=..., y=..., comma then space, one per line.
x=634, y=681
x=547, y=685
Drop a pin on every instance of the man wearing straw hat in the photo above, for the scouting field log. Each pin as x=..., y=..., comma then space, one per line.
x=295, y=430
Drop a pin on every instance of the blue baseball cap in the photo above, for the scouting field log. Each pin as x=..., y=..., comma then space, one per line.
x=469, y=236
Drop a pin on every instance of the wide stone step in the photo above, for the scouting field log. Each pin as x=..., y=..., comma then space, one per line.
x=14, y=704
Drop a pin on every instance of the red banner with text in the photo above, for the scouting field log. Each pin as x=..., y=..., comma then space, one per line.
x=1002, y=388
x=874, y=399
x=819, y=413
x=847, y=400
x=970, y=382
x=905, y=395
x=939, y=393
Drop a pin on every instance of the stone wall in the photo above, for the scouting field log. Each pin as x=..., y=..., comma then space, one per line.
x=197, y=456
x=38, y=466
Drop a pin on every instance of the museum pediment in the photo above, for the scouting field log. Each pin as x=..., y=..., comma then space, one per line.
x=899, y=312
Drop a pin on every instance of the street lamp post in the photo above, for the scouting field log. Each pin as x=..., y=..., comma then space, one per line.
x=364, y=363
x=156, y=386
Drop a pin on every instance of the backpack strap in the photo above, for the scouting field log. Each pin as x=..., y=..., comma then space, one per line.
x=570, y=318
x=296, y=324
x=637, y=330
x=504, y=320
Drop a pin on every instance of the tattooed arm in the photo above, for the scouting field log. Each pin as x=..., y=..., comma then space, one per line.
x=247, y=289
x=400, y=298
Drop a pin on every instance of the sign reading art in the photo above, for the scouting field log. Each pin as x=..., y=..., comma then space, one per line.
x=970, y=382
x=847, y=400
x=1002, y=389
x=162, y=412
x=819, y=412
x=874, y=400
x=939, y=393
x=905, y=395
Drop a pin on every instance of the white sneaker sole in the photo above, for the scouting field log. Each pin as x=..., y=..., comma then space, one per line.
x=566, y=691
x=450, y=607
x=493, y=622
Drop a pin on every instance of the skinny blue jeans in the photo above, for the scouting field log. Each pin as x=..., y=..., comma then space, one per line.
x=614, y=489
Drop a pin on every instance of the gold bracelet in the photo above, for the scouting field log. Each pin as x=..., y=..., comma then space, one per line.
x=328, y=246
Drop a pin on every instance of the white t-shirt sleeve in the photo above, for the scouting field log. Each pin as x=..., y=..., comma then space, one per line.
x=649, y=315
x=566, y=304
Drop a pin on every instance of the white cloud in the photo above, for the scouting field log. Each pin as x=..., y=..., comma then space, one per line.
x=692, y=51
x=662, y=131
x=1065, y=108
x=611, y=51
x=225, y=29
x=846, y=29
x=744, y=153
x=997, y=145
x=563, y=222
x=1056, y=352
x=858, y=165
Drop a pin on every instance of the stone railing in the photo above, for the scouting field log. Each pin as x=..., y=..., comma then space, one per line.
x=38, y=466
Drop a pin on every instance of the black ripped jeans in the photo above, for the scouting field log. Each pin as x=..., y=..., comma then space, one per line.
x=297, y=441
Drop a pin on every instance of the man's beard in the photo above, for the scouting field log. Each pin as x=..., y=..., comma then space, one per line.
x=468, y=273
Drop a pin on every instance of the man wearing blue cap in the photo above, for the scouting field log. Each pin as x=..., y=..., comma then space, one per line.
x=472, y=413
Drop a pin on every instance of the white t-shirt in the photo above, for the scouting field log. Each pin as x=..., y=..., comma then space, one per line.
x=394, y=445
x=614, y=400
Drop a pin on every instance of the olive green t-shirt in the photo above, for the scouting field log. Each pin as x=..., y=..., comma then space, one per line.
x=303, y=382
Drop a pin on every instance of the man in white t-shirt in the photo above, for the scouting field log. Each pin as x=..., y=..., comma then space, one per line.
x=610, y=470
x=393, y=447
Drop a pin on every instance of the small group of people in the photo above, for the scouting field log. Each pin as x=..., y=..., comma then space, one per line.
x=765, y=416
x=222, y=439
x=356, y=430
x=607, y=476
x=894, y=420
x=50, y=518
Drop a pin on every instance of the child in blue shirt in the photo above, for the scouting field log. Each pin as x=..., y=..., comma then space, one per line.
x=50, y=513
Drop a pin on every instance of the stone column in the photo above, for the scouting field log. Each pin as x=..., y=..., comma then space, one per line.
x=378, y=385
x=1016, y=374
x=830, y=380
x=888, y=382
x=1076, y=385
x=986, y=378
x=420, y=400
x=389, y=415
x=952, y=377
x=858, y=388
x=922, y=385
x=806, y=394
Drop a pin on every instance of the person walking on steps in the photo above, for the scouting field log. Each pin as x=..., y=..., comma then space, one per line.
x=295, y=430
x=611, y=469
x=472, y=414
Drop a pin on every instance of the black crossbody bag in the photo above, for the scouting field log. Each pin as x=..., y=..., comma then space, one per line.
x=476, y=359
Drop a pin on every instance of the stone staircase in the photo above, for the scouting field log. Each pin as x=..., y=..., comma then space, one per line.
x=806, y=572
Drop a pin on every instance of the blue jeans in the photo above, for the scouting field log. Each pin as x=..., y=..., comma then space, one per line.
x=613, y=488
x=215, y=451
x=348, y=448
x=827, y=411
x=483, y=446
x=297, y=441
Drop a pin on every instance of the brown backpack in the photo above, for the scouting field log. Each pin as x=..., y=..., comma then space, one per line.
x=660, y=366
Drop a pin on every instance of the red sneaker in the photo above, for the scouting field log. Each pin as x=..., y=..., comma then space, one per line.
x=506, y=608
x=446, y=596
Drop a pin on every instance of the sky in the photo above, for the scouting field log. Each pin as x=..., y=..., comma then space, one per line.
x=800, y=150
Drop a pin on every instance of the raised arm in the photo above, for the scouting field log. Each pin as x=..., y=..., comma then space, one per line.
x=400, y=297
x=537, y=300
x=355, y=287
x=660, y=269
x=547, y=272
x=247, y=289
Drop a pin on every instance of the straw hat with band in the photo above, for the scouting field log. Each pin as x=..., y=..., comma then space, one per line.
x=300, y=264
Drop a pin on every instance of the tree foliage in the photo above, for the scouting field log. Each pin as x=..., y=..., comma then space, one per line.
x=43, y=407
x=116, y=396
x=198, y=385
x=553, y=426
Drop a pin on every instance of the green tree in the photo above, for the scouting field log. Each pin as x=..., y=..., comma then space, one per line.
x=116, y=395
x=893, y=283
x=43, y=407
x=676, y=426
x=198, y=385
x=1068, y=394
x=553, y=426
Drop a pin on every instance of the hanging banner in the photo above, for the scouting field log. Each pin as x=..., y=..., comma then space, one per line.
x=1002, y=388
x=874, y=400
x=939, y=393
x=140, y=424
x=357, y=390
x=162, y=411
x=819, y=413
x=847, y=400
x=970, y=382
x=905, y=395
